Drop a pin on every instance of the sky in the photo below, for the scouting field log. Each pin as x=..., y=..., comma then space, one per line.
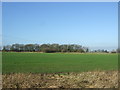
x=90, y=24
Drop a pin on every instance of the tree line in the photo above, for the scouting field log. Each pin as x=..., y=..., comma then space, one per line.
x=48, y=48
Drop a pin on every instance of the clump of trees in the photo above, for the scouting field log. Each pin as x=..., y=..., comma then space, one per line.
x=100, y=51
x=48, y=48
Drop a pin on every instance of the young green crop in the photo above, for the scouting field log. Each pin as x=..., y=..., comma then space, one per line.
x=26, y=62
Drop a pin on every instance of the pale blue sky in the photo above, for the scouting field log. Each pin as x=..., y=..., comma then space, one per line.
x=90, y=24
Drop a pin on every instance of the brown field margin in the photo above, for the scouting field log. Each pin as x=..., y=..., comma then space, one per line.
x=94, y=79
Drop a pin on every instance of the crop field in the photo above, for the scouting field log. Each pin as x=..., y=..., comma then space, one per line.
x=29, y=62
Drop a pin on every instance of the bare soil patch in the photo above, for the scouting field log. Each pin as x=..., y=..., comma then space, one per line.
x=95, y=79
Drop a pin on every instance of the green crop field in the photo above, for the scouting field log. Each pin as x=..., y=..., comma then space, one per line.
x=25, y=62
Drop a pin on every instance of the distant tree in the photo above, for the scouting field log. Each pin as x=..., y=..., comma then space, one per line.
x=7, y=48
x=45, y=47
x=29, y=47
x=15, y=47
x=87, y=49
x=21, y=47
x=36, y=47
x=106, y=51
